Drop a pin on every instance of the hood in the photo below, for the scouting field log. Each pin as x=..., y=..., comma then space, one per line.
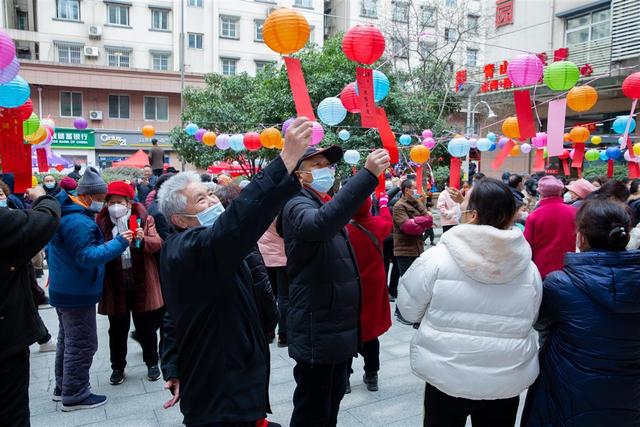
x=68, y=206
x=8, y=179
x=611, y=279
x=487, y=254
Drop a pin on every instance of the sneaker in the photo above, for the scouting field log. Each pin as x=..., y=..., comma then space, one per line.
x=402, y=319
x=153, y=373
x=93, y=401
x=282, y=341
x=47, y=347
x=57, y=395
x=371, y=381
x=348, y=389
x=117, y=377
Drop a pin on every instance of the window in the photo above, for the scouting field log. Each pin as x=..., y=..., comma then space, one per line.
x=303, y=3
x=22, y=20
x=70, y=54
x=229, y=27
x=68, y=9
x=118, y=14
x=589, y=27
x=160, y=19
x=194, y=3
x=472, y=57
x=70, y=104
x=118, y=57
x=260, y=65
x=428, y=17
x=369, y=8
x=160, y=61
x=258, y=36
x=450, y=3
x=195, y=41
x=118, y=106
x=401, y=12
x=426, y=48
x=472, y=23
x=156, y=108
x=450, y=34
x=229, y=66
x=399, y=47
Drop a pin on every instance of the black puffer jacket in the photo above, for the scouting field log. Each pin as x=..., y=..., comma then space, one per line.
x=262, y=290
x=324, y=295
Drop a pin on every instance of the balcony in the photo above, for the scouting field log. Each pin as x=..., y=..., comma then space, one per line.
x=595, y=53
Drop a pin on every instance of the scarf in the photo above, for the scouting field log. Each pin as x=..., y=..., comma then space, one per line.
x=122, y=225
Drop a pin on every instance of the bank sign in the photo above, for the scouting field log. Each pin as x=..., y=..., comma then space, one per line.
x=73, y=138
x=129, y=141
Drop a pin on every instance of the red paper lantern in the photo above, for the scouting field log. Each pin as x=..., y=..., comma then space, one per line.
x=25, y=109
x=565, y=155
x=350, y=99
x=252, y=141
x=363, y=44
x=631, y=86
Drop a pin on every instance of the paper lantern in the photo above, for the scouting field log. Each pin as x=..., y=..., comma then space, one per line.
x=31, y=125
x=525, y=148
x=515, y=151
x=510, y=127
x=252, y=141
x=636, y=148
x=579, y=134
x=344, y=135
x=317, y=133
x=191, y=129
x=502, y=142
x=236, y=142
x=429, y=142
x=280, y=144
x=80, y=123
x=458, y=147
x=565, y=155
x=628, y=158
x=525, y=70
x=351, y=157
x=380, y=86
x=7, y=51
x=285, y=31
x=631, y=86
x=349, y=98
x=473, y=142
x=222, y=141
x=148, y=131
x=25, y=109
x=37, y=137
x=199, y=134
x=540, y=140
x=419, y=153
x=620, y=124
x=596, y=140
x=582, y=98
x=592, y=155
x=270, y=137
x=566, y=137
x=603, y=156
x=14, y=93
x=613, y=153
x=561, y=75
x=209, y=138
x=493, y=147
x=286, y=125
x=492, y=137
x=363, y=44
x=484, y=144
x=405, y=139
x=331, y=111
x=9, y=72
x=427, y=133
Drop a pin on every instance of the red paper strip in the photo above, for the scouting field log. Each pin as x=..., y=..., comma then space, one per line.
x=364, y=77
x=555, y=126
x=299, y=88
x=381, y=188
x=502, y=155
x=526, y=124
x=15, y=154
x=454, y=172
x=634, y=170
x=565, y=167
x=538, y=162
x=578, y=156
x=626, y=129
x=419, y=179
x=579, y=172
x=610, y=164
x=43, y=164
x=386, y=135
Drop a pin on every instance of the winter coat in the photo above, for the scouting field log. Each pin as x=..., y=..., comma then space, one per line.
x=272, y=248
x=410, y=220
x=223, y=355
x=156, y=158
x=22, y=235
x=449, y=210
x=52, y=191
x=147, y=292
x=375, y=312
x=476, y=296
x=551, y=232
x=634, y=204
x=162, y=225
x=77, y=255
x=143, y=191
x=13, y=201
x=324, y=290
x=590, y=361
x=263, y=292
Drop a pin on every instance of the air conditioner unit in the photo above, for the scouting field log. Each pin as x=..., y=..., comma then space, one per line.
x=95, y=115
x=91, y=51
x=95, y=32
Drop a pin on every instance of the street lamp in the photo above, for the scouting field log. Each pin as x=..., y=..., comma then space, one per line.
x=473, y=117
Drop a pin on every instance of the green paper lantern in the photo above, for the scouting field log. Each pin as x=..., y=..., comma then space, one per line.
x=592, y=155
x=561, y=75
x=31, y=125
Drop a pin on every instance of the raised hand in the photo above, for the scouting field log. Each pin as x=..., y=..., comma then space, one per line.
x=296, y=142
x=378, y=161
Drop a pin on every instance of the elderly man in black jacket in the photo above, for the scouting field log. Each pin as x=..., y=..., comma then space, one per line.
x=23, y=233
x=324, y=295
x=208, y=289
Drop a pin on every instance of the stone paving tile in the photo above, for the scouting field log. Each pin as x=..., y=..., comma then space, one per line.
x=66, y=419
x=391, y=410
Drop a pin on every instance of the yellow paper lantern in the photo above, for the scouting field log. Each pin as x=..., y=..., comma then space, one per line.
x=582, y=98
x=510, y=128
x=636, y=148
x=280, y=144
x=579, y=134
x=596, y=140
x=419, y=154
x=148, y=131
x=209, y=139
x=34, y=181
x=286, y=31
x=270, y=138
x=515, y=151
x=37, y=137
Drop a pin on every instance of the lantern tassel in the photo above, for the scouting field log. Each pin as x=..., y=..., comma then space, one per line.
x=43, y=164
x=419, y=178
x=578, y=156
x=526, y=125
x=15, y=154
x=299, y=88
x=610, y=164
x=387, y=136
x=565, y=167
x=454, y=172
x=364, y=77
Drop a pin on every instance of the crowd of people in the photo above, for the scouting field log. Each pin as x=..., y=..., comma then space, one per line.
x=533, y=285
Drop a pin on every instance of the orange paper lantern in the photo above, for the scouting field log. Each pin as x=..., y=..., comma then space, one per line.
x=579, y=134
x=280, y=144
x=148, y=131
x=209, y=139
x=510, y=128
x=286, y=31
x=566, y=137
x=37, y=137
x=419, y=153
x=582, y=98
x=270, y=138
x=515, y=151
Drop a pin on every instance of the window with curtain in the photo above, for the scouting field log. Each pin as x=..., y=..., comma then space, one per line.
x=119, y=107
x=68, y=9
x=229, y=66
x=70, y=104
x=160, y=19
x=118, y=14
x=156, y=108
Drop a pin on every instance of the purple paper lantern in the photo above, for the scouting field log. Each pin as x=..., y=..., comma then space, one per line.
x=286, y=125
x=473, y=142
x=429, y=142
x=525, y=148
x=7, y=50
x=9, y=72
x=222, y=142
x=80, y=123
x=502, y=142
x=199, y=133
x=317, y=133
x=427, y=133
x=525, y=70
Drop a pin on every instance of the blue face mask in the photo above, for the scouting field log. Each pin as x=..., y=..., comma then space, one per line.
x=323, y=179
x=73, y=192
x=96, y=206
x=209, y=216
x=3, y=203
x=49, y=185
x=416, y=194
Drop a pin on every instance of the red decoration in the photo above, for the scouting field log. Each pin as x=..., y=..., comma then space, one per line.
x=610, y=165
x=363, y=44
x=350, y=99
x=565, y=155
x=506, y=83
x=485, y=87
x=489, y=71
x=493, y=85
x=503, y=67
x=502, y=155
x=586, y=70
x=461, y=79
x=454, y=172
x=634, y=170
x=25, y=109
x=578, y=156
x=133, y=223
x=381, y=188
x=526, y=126
x=364, y=77
x=538, y=163
x=15, y=155
x=43, y=164
x=631, y=86
x=252, y=141
x=560, y=54
x=387, y=136
x=543, y=57
x=504, y=12
x=299, y=88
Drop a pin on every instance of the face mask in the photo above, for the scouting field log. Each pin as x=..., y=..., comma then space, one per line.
x=209, y=216
x=416, y=195
x=96, y=206
x=567, y=197
x=118, y=211
x=3, y=203
x=49, y=185
x=323, y=179
x=73, y=192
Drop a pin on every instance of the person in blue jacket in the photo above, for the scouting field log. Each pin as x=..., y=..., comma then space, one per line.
x=590, y=361
x=77, y=255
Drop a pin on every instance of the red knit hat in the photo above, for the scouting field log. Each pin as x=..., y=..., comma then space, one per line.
x=68, y=184
x=120, y=188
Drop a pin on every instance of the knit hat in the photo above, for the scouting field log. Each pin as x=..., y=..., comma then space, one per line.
x=581, y=187
x=68, y=184
x=550, y=186
x=91, y=182
x=120, y=188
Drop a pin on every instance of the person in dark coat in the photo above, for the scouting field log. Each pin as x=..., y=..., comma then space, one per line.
x=209, y=293
x=14, y=201
x=50, y=185
x=589, y=362
x=146, y=183
x=324, y=293
x=76, y=172
x=22, y=235
x=162, y=225
x=516, y=185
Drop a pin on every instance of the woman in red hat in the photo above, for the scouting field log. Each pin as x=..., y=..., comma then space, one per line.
x=132, y=284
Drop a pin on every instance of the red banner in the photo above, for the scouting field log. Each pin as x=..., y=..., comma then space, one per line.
x=502, y=155
x=386, y=135
x=578, y=156
x=381, y=189
x=15, y=154
x=454, y=172
x=565, y=167
x=525, y=116
x=299, y=88
x=419, y=178
x=634, y=170
x=538, y=162
x=364, y=77
x=43, y=164
x=610, y=164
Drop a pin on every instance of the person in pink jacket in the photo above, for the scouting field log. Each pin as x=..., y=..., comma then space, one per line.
x=449, y=210
x=551, y=229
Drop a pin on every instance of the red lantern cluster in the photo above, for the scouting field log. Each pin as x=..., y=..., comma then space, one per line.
x=25, y=109
x=349, y=98
x=363, y=44
x=252, y=141
x=631, y=86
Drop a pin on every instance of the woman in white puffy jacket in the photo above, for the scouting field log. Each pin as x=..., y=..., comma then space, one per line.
x=476, y=296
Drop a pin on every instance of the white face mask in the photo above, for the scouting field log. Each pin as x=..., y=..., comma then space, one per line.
x=118, y=211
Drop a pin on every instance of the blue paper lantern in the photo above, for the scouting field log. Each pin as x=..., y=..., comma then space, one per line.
x=620, y=123
x=458, y=147
x=405, y=139
x=352, y=157
x=236, y=142
x=191, y=129
x=344, y=135
x=331, y=111
x=603, y=156
x=493, y=147
x=484, y=144
x=380, y=86
x=492, y=137
x=14, y=93
x=613, y=153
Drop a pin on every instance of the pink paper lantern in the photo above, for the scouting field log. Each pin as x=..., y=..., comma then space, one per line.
x=222, y=142
x=473, y=142
x=429, y=142
x=9, y=72
x=7, y=50
x=525, y=70
x=427, y=133
x=317, y=133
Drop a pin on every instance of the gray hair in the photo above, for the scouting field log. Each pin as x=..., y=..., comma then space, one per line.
x=171, y=197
